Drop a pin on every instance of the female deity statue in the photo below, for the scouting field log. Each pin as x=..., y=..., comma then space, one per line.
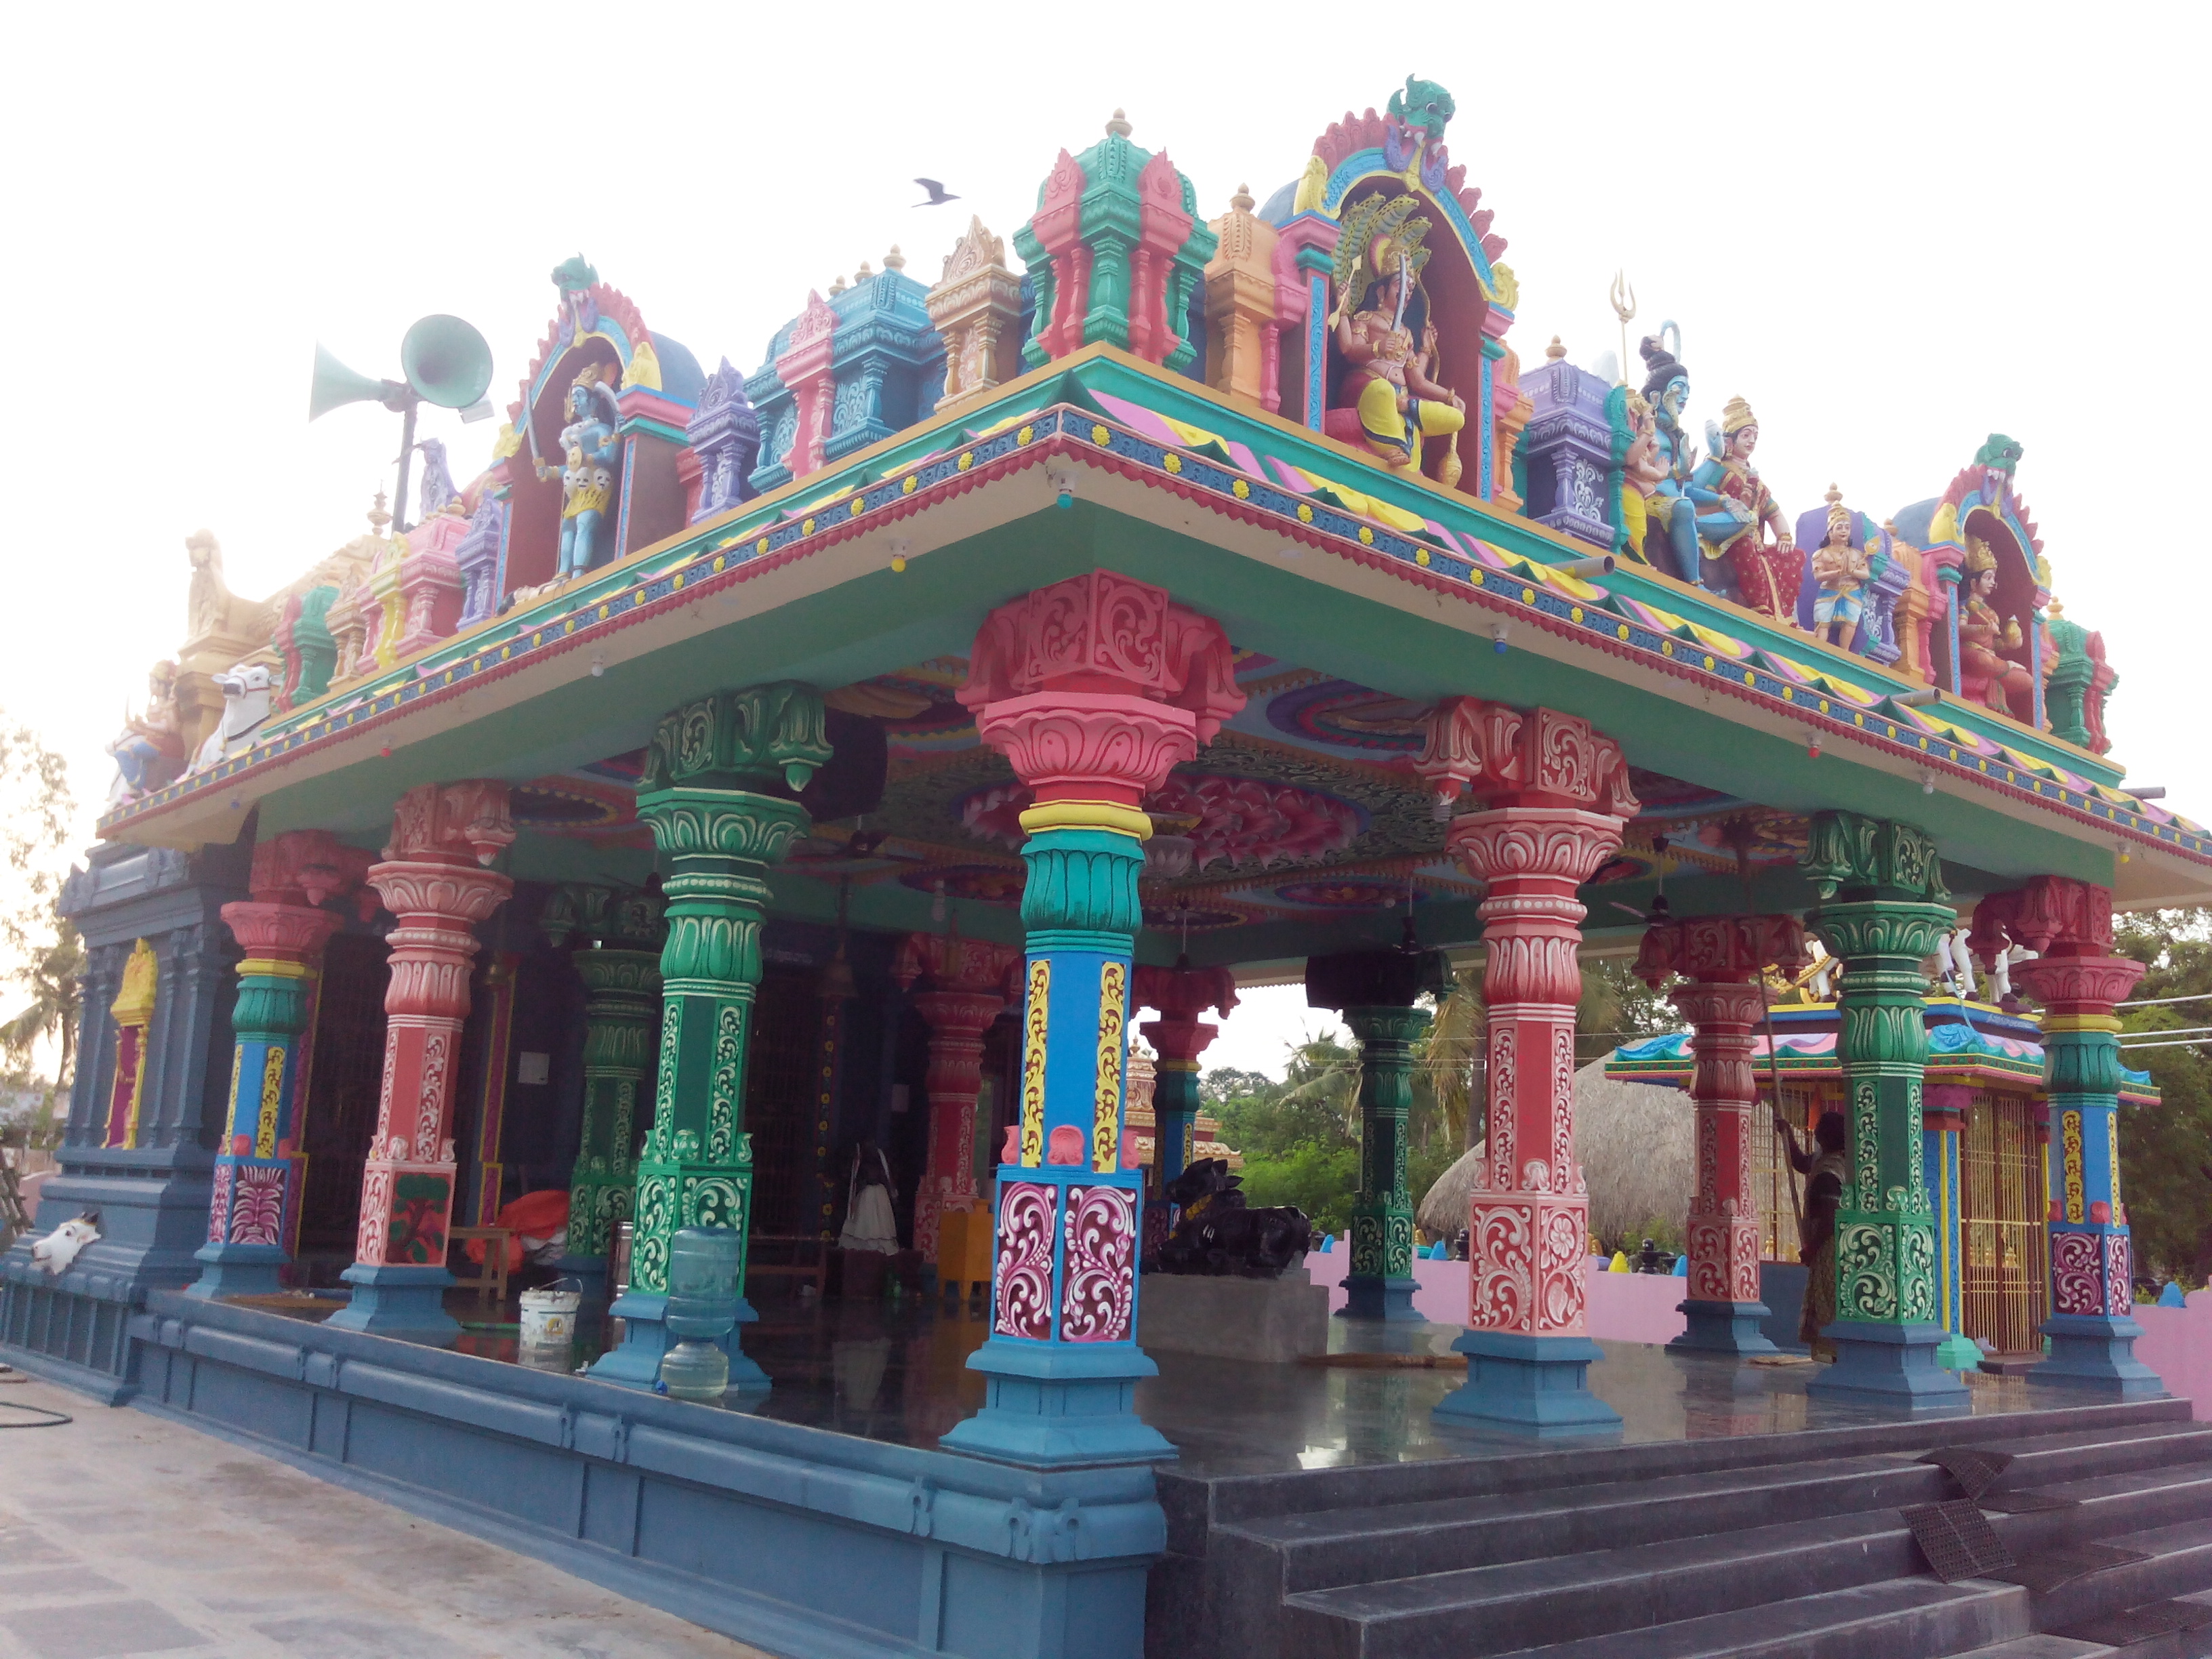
x=1984, y=677
x=151, y=748
x=1381, y=303
x=1670, y=534
x=1732, y=502
x=588, y=457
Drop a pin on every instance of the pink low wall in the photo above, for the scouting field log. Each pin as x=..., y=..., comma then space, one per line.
x=1623, y=1307
x=2177, y=1344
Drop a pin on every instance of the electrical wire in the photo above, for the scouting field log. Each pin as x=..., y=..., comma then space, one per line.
x=2160, y=1002
x=53, y=1419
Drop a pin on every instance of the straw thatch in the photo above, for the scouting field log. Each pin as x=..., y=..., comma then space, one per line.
x=1637, y=1144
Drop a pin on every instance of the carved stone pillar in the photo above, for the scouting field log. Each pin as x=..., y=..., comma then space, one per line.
x=1374, y=990
x=718, y=789
x=1882, y=911
x=1943, y=1108
x=977, y=307
x=259, y=1165
x=1552, y=796
x=969, y=984
x=432, y=879
x=618, y=936
x=1721, y=959
x=1093, y=689
x=1180, y=1037
x=1240, y=305
x=2078, y=979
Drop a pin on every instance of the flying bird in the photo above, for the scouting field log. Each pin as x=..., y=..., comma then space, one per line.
x=938, y=195
x=59, y=1248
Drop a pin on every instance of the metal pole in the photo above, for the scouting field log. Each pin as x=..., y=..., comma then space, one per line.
x=406, y=456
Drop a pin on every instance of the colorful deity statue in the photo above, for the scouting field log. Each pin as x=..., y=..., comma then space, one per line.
x=588, y=460
x=1842, y=571
x=1382, y=310
x=1984, y=677
x=1670, y=536
x=1733, y=504
x=1642, y=472
x=150, y=750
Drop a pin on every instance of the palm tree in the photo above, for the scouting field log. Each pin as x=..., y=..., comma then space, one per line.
x=52, y=1011
x=1450, y=1058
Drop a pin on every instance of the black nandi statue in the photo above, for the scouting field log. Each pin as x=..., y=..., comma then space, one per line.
x=1218, y=1234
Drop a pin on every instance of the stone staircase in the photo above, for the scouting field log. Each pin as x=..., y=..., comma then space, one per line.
x=1756, y=1547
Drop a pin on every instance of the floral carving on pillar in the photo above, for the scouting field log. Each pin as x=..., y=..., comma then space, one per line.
x=1721, y=959
x=431, y=879
x=1552, y=797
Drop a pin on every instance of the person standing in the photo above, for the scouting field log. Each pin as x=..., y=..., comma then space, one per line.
x=1826, y=1172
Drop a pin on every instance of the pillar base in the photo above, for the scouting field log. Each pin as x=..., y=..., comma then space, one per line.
x=1886, y=1363
x=647, y=1341
x=588, y=1271
x=1059, y=1405
x=2092, y=1351
x=1372, y=1295
x=1537, y=1384
x=238, y=1270
x=406, y=1303
x=1957, y=1353
x=1723, y=1327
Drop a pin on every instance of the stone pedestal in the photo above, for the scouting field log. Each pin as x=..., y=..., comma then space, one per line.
x=1555, y=796
x=1269, y=1322
x=431, y=879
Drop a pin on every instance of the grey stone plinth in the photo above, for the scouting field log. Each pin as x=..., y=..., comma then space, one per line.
x=1275, y=1321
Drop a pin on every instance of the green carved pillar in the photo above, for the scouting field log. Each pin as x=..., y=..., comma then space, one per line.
x=720, y=789
x=618, y=955
x=1884, y=909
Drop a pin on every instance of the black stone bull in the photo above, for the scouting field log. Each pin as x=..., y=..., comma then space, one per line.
x=1218, y=1234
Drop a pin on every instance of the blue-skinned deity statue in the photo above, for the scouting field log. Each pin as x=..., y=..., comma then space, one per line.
x=589, y=462
x=1671, y=534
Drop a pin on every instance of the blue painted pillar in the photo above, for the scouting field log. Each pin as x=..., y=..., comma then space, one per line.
x=2092, y=1327
x=1943, y=1108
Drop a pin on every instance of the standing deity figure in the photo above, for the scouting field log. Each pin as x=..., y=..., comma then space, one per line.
x=588, y=460
x=1642, y=472
x=1670, y=535
x=1733, y=502
x=1382, y=310
x=1984, y=677
x=1842, y=570
x=150, y=749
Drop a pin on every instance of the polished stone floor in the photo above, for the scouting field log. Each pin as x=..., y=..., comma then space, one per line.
x=122, y=1534
x=895, y=1371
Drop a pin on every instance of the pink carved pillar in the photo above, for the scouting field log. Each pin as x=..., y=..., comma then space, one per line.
x=1552, y=796
x=431, y=879
x=1093, y=688
x=967, y=986
x=1720, y=959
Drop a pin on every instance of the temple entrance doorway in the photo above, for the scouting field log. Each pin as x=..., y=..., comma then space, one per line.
x=342, y=1095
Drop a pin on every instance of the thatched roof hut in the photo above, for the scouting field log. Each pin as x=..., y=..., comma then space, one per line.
x=1638, y=1146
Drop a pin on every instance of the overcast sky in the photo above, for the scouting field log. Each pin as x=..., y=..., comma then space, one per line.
x=1893, y=228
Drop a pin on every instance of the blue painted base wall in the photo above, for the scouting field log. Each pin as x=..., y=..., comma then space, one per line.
x=751, y=1528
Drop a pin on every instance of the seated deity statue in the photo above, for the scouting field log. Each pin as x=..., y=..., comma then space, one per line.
x=1669, y=538
x=150, y=750
x=1388, y=342
x=1985, y=676
x=1733, y=503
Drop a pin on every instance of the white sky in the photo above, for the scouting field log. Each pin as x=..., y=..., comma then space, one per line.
x=1894, y=229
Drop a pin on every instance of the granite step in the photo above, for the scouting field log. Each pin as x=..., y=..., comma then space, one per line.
x=2179, y=1564
x=1333, y=1547
x=1497, y=1608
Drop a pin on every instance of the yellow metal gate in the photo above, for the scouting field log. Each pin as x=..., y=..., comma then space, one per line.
x=2001, y=1211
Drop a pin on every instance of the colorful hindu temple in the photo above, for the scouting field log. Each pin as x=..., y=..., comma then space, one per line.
x=769, y=799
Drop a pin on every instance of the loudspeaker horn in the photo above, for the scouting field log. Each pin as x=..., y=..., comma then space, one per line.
x=446, y=361
x=335, y=384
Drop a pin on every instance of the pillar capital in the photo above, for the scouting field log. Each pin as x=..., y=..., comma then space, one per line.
x=950, y=964
x=1181, y=993
x=605, y=918
x=1503, y=755
x=306, y=868
x=1720, y=950
x=1852, y=857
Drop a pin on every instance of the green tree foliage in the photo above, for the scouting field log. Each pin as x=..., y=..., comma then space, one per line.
x=2166, y=1150
x=40, y=952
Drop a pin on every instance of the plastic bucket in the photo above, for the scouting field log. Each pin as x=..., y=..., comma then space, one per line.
x=549, y=1316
